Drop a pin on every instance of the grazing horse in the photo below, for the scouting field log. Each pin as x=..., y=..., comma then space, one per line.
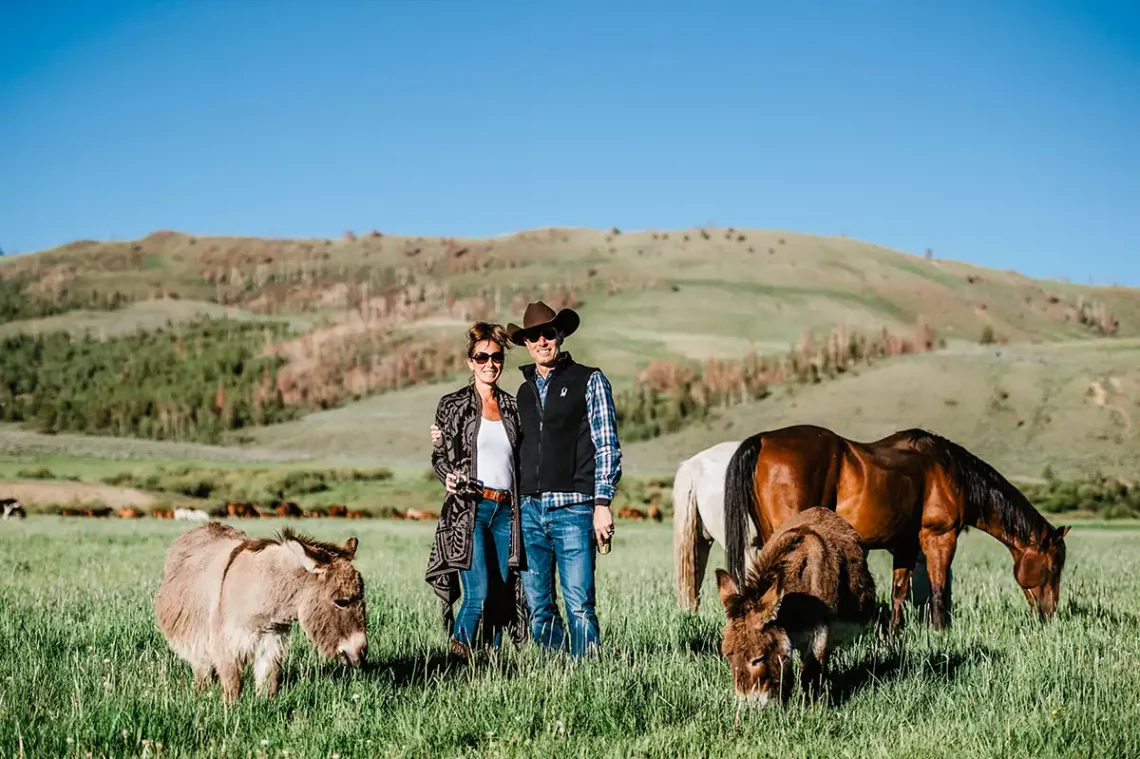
x=907, y=491
x=698, y=522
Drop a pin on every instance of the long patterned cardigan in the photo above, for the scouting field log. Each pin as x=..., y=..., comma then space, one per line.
x=459, y=415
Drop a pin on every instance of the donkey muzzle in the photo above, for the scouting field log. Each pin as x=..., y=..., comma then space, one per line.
x=353, y=650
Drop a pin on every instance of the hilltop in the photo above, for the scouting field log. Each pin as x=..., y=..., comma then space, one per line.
x=341, y=346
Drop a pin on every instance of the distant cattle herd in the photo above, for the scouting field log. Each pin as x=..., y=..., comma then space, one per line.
x=246, y=510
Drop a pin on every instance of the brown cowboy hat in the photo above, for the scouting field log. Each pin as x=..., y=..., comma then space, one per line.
x=539, y=315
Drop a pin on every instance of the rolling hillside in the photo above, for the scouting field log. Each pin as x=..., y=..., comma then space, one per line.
x=373, y=327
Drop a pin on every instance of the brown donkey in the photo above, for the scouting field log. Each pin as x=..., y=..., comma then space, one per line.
x=226, y=598
x=808, y=589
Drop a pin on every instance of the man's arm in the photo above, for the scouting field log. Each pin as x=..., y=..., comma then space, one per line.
x=439, y=461
x=603, y=431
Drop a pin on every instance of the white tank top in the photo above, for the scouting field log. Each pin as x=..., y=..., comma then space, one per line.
x=494, y=458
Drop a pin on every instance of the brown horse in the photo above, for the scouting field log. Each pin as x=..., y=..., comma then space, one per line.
x=907, y=490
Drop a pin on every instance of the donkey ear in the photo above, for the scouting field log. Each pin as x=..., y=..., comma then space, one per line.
x=726, y=585
x=304, y=558
x=350, y=547
x=768, y=607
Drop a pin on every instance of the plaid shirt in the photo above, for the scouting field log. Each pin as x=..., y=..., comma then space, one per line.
x=603, y=431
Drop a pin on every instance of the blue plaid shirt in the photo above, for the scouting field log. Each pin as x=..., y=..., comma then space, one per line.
x=603, y=431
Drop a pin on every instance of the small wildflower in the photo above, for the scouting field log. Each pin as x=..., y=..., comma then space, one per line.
x=264, y=741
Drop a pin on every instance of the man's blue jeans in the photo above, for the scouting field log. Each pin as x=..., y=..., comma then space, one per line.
x=487, y=577
x=562, y=537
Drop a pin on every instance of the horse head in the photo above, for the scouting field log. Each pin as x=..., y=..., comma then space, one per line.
x=1037, y=569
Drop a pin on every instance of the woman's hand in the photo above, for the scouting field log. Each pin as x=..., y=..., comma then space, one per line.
x=449, y=483
x=436, y=434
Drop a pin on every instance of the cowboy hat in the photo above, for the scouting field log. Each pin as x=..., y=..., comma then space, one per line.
x=539, y=315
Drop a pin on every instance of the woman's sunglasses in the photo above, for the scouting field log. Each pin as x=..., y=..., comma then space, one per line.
x=480, y=358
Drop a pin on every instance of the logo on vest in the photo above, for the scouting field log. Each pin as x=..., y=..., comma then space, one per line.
x=562, y=393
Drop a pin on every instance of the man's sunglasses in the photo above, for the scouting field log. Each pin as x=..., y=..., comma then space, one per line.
x=480, y=358
x=550, y=333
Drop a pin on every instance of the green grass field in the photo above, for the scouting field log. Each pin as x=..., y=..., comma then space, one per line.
x=84, y=671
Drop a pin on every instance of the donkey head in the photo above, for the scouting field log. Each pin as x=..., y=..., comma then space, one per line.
x=332, y=609
x=757, y=648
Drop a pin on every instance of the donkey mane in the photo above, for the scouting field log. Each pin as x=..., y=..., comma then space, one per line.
x=983, y=487
x=322, y=552
x=766, y=569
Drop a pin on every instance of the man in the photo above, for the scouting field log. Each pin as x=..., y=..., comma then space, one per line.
x=569, y=468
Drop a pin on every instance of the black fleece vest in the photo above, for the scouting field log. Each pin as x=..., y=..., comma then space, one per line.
x=557, y=452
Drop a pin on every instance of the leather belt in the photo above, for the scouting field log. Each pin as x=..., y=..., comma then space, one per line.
x=498, y=496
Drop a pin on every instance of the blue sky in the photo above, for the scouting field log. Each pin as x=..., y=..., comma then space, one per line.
x=999, y=133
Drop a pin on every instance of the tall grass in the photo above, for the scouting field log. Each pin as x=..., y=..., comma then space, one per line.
x=84, y=671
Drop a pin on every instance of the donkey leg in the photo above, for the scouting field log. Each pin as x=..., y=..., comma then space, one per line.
x=939, y=550
x=229, y=673
x=203, y=674
x=267, y=663
x=814, y=660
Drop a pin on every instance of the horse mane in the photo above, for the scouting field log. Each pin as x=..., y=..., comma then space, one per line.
x=980, y=485
x=322, y=552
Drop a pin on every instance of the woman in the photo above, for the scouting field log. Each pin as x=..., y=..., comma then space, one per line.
x=478, y=540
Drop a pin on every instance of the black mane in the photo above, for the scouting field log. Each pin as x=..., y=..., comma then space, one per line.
x=983, y=488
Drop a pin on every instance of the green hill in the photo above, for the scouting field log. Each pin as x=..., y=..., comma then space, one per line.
x=362, y=334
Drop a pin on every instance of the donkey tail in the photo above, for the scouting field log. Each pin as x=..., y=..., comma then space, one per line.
x=739, y=503
x=686, y=527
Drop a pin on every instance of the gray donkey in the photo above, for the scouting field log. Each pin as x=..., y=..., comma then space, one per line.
x=226, y=599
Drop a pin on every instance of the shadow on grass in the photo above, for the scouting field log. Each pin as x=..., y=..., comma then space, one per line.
x=699, y=635
x=413, y=669
x=402, y=671
x=421, y=668
x=886, y=666
x=1094, y=611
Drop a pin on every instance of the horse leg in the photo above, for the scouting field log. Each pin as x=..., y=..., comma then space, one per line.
x=939, y=550
x=903, y=566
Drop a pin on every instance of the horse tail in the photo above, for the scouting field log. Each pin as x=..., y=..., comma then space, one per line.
x=739, y=503
x=686, y=526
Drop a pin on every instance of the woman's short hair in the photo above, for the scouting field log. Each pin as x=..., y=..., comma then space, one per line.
x=480, y=331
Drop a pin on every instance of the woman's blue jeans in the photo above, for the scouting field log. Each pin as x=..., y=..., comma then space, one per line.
x=487, y=577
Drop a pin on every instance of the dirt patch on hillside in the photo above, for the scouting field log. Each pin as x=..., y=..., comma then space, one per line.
x=44, y=494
